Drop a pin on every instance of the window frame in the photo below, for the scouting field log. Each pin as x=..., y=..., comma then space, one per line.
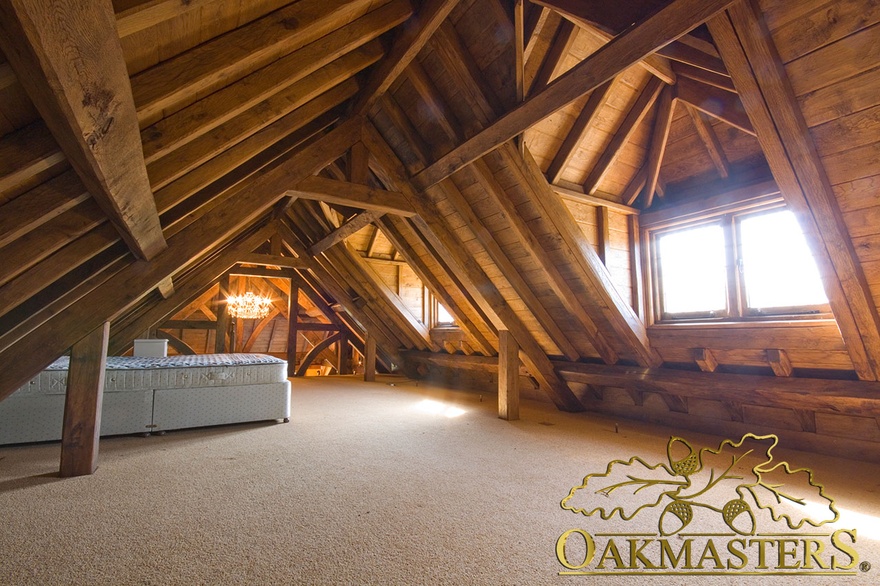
x=729, y=215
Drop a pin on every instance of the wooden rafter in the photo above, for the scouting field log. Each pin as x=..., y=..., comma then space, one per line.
x=629, y=47
x=69, y=59
x=710, y=140
x=743, y=41
x=416, y=32
x=358, y=222
x=559, y=48
x=630, y=123
x=659, y=139
x=715, y=102
x=352, y=194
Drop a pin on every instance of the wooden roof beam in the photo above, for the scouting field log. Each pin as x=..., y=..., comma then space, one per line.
x=69, y=59
x=352, y=194
x=629, y=47
x=578, y=130
x=744, y=42
x=633, y=118
x=710, y=140
x=358, y=222
x=416, y=32
x=559, y=48
x=715, y=102
x=659, y=139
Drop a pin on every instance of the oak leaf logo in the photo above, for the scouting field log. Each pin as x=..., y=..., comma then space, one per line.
x=736, y=480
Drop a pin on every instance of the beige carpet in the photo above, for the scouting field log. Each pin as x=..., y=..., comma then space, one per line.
x=368, y=484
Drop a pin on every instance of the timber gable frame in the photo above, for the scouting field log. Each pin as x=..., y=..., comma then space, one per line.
x=507, y=175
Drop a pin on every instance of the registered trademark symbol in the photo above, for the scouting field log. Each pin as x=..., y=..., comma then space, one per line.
x=865, y=566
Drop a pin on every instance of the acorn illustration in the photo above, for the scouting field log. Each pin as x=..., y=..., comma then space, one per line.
x=675, y=517
x=687, y=465
x=734, y=518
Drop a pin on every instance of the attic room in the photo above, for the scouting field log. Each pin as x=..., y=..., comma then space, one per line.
x=565, y=225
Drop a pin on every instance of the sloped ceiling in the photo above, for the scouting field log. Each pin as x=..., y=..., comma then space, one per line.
x=504, y=150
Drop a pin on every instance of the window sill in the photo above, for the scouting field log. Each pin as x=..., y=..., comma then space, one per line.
x=787, y=322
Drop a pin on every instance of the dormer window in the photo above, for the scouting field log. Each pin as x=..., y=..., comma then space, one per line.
x=734, y=264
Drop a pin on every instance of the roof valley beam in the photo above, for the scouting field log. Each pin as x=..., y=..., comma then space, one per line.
x=448, y=245
x=254, y=198
x=671, y=22
x=659, y=140
x=362, y=220
x=416, y=33
x=393, y=228
x=710, y=140
x=69, y=59
x=629, y=328
x=743, y=40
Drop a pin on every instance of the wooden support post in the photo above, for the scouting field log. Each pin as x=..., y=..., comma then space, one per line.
x=370, y=358
x=222, y=315
x=343, y=365
x=82, y=408
x=508, y=376
x=292, y=334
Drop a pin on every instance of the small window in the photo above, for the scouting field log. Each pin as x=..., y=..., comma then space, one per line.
x=444, y=318
x=747, y=264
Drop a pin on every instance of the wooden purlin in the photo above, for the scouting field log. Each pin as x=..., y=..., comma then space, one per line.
x=481, y=286
x=674, y=20
x=255, y=197
x=92, y=116
x=743, y=40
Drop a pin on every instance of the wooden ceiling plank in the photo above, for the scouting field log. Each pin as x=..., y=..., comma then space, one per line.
x=659, y=140
x=715, y=102
x=144, y=15
x=743, y=40
x=506, y=267
x=415, y=34
x=394, y=229
x=68, y=58
x=360, y=221
x=35, y=350
x=633, y=118
x=202, y=116
x=629, y=47
x=578, y=130
x=40, y=205
x=271, y=260
x=353, y=194
x=320, y=83
x=556, y=281
x=248, y=156
x=170, y=85
x=450, y=247
x=28, y=156
x=628, y=327
x=710, y=141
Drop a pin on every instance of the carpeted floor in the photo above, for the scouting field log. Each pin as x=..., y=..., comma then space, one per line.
x=371, y=483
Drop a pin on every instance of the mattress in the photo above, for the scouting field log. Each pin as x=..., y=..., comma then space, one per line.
x=125, y=373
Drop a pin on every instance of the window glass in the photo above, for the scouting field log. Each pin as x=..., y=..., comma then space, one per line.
x=443, y=316
x=693, y=271
x=777, y=267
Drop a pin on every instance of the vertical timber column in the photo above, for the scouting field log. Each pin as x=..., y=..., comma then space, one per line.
x=508, y=376
x=222, y=315
x=370, y=358
x=82, y=407
x=343, y=365
x=292, y=331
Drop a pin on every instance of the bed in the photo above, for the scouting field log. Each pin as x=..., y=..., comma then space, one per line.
x=145, y=395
